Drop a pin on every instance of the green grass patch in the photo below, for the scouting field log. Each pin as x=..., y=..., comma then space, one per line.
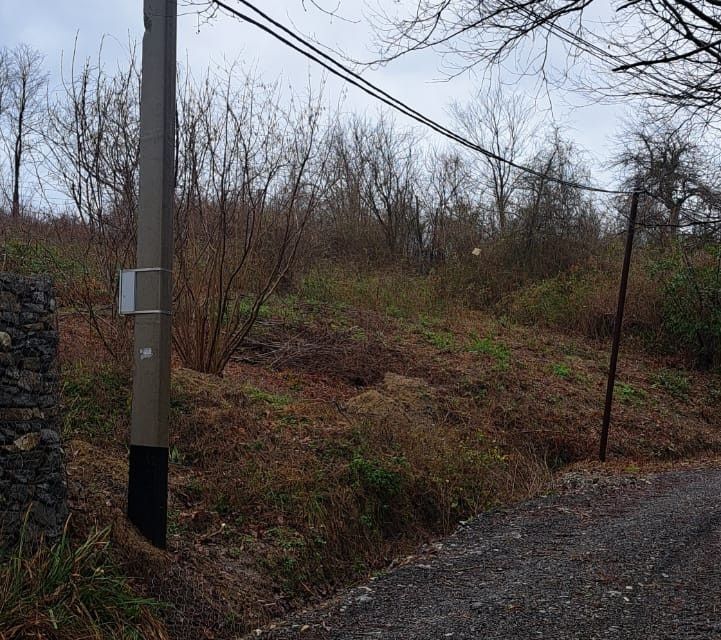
x=561, y=370
x=374, y=476
x=673, y=382
x=275, y=400
x=243, y=307
x=628, y=394
x=490, y=347
x=441, y=340
x=31, y=258
x=67, y=592
x=94, y=400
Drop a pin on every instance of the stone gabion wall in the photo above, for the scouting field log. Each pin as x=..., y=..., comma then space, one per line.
x=32, y=478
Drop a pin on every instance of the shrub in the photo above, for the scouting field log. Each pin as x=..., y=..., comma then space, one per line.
x=692, y=304
x=673, y=301
x=584, y=299
x=375, y=477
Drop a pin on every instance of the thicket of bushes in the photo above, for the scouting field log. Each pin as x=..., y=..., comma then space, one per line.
x=269, y=186
x=673, y=303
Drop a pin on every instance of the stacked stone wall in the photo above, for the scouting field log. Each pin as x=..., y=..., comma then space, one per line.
x=32, y=478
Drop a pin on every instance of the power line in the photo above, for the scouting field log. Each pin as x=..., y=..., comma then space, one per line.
x=388, y=99
x=348, y=75
x=589, y=48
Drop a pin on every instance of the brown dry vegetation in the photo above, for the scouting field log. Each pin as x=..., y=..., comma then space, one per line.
x=400, y=335
x=393, y=354
x=368, y=412
x=344, y=435
x=370, y=409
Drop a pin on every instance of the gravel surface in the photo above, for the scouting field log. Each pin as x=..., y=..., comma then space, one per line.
x=607, y=557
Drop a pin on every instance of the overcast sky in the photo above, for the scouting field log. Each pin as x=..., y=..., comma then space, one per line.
x=52, y=26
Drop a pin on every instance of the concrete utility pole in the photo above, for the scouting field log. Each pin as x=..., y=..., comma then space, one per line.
x=148, y=476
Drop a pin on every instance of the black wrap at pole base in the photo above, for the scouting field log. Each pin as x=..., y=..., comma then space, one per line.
x=148, y=492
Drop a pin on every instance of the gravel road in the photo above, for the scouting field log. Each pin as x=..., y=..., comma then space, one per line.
x=606, y=557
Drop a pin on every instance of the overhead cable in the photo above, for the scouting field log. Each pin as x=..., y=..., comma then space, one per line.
x=315, y=54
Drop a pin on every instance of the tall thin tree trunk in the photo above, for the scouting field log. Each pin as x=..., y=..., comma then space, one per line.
x=16, y=178
x=18, y=152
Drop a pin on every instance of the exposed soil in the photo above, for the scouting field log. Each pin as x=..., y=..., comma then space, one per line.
x=627, y=557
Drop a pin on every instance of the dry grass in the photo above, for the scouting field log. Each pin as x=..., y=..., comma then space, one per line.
x=370, y=411
x=342, y=438
x=72, y=591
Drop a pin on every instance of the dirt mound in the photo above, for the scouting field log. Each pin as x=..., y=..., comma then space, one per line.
x=399, y=398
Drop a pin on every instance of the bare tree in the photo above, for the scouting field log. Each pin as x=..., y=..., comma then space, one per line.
x=249, y=175
x=4, y=90
x=557, y=225
x=4, y=80
x=451, y=205
x=668, y=160
x=390, y=184
x=374, y=197
x=92, y=150
x=343, y=225
x=25, y=84
x=663, y=49
x=502, y=124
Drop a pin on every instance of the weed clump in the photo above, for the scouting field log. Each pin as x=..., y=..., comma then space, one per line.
x=561, y=370
x=673, y=382
x=490, y=347
x=69, y=592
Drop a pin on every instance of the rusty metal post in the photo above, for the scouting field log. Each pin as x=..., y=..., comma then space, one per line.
x=618, y=324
